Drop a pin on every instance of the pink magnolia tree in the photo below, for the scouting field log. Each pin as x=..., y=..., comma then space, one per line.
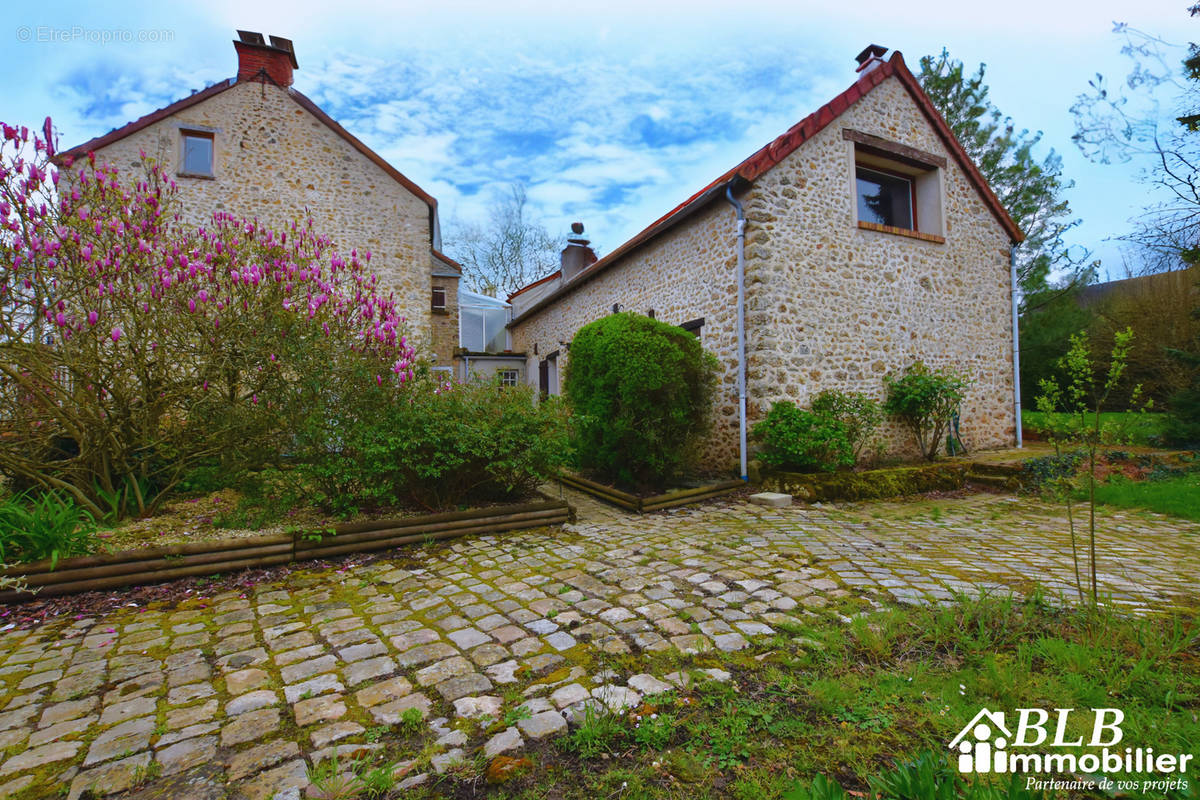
x=133, y=348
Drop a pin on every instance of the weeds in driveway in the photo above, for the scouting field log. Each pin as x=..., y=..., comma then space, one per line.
x=861, y=704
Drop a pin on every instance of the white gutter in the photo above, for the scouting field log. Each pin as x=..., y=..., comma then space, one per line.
x=741, y=326
x=1016, y=344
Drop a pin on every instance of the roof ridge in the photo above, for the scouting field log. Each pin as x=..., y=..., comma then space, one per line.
x=157, y=115
x=774, y=151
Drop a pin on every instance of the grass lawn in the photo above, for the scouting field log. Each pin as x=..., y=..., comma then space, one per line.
x=1179, y=495
x=1132, y=426
x=829, y=710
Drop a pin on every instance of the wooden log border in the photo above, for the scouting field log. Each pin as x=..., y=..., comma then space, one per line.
x=641, y=505
x=157, y=564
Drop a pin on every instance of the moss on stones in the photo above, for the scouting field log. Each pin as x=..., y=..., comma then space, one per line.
x=869, y=485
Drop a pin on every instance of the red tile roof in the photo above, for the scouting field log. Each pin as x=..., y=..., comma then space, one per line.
x=774, y=152
x=92, y=145
x=445, y=259
x=538, y=282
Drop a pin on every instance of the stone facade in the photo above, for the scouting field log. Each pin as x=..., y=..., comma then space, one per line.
x=444, y=322
x=275, y=160
x=684, y=274
x=489, y=366
x=829, y=304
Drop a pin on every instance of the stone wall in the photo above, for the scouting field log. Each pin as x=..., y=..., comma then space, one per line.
x=276, y=161
x=829, y=305
x=684, y=274
x=444, y=324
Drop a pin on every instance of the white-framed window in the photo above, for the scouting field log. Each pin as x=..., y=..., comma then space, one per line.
x=509, y=377
x=196, y=153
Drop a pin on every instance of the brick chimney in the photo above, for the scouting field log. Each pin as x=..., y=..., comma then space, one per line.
x=870, y=58
x=256, y=57
x=576, y=256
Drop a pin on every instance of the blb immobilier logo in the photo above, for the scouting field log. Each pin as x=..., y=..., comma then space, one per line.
x=1031, y=743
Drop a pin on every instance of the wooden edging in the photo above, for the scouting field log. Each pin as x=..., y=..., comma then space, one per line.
x=156, y=564
x=641, y=505
x=629, y=502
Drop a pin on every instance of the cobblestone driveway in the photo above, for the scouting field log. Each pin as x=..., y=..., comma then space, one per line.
x=236, y=695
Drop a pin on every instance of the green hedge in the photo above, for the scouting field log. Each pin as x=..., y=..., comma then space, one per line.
x=440, y=447
x=641, y=396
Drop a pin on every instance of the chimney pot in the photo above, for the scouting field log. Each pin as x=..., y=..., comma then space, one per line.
x=577, y=255
x=871, y=57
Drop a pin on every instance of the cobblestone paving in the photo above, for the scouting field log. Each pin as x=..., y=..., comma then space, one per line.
x=236, y=695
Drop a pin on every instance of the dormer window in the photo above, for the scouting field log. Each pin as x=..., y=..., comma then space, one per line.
x=897, y=188
x=197, y=157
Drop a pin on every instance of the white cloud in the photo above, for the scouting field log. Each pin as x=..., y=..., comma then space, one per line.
x=617, y=112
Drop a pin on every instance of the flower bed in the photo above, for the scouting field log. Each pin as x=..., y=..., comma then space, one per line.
x=156, y=564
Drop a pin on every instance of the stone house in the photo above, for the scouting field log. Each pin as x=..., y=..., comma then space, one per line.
x=255, y=147
x=870, y=241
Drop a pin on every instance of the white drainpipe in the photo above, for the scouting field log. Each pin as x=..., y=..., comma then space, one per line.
x=1016, y=343
x=741, y=327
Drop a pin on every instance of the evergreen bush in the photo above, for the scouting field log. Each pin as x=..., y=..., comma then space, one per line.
x=641, y=396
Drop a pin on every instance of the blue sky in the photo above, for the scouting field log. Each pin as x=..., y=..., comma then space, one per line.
x=609, y=115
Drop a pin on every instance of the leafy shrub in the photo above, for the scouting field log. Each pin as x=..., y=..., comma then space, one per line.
x=1044, y=470
x=1183, y=422
x=267, y=496
x=48, y=525
x=803, y=440
x=925, y=401
x=208, y=478
x=641, y=394
x=439, y=446
x=859, y=414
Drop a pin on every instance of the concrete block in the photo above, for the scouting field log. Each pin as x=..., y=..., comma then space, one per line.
x=771, y=499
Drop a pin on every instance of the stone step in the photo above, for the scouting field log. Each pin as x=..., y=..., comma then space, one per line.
x=997, y=481
x=998, y=469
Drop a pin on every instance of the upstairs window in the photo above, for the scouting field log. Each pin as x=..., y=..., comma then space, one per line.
x=197, y=154
x=885, y=199
x=438, y=299
x=897, y=188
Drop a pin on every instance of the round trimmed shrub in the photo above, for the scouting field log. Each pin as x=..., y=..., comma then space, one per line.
x=641, y=395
